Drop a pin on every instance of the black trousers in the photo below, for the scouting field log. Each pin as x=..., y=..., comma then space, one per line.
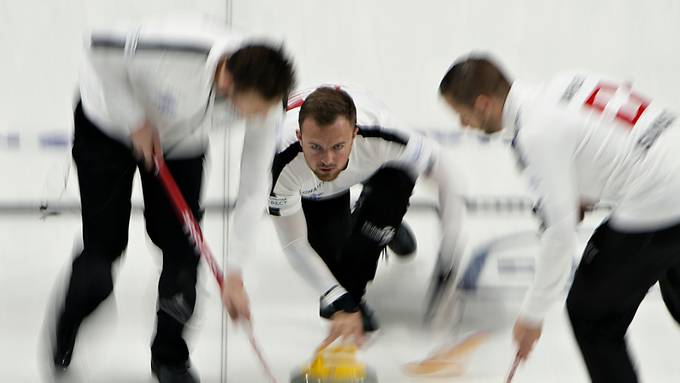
x=105, y=173
x=349, y=242
x=614, y=276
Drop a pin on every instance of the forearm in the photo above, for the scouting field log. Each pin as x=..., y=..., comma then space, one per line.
x=254, y=185
x=451, y=186
x=309, y=266
x=292, y=233
x=552, y=273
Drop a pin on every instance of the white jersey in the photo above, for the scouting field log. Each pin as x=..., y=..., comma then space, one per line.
x=381, y=141
x=584, y=138
x=163, y=72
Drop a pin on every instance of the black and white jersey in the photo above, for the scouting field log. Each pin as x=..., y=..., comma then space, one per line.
x=380, y=141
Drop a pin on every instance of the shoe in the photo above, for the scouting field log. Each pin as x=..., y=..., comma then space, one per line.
x=403, y=244
x=173, y=374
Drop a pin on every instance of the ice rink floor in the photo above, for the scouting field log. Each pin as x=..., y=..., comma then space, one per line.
x=114, y=345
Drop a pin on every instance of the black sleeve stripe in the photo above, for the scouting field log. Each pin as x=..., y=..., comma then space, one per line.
x=385, y=134
x=282, y=159
x=107, y=42
x=194, y=48
x=113, y=42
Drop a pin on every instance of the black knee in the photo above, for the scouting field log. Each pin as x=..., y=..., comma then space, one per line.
x=167, y=232
x=105, y=242
x=382, y=204
x=389, y=186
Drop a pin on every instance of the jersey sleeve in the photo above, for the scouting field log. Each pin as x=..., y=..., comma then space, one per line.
x=451, y=187
x=547, y=152
x=284, y=201
x=420, y=153
x=258, y=149
x=408, y=150
x=285, y=198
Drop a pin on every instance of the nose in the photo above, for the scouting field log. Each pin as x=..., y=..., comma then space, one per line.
x=328, y=157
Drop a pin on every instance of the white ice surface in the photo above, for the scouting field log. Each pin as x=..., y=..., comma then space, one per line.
x=113, y=345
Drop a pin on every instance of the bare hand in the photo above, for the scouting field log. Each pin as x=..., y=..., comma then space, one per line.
x=347, y=326
x=146, y=144
x=526, y=335
x=235, y=297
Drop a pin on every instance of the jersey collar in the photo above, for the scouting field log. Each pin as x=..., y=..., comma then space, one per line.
x=511, y=110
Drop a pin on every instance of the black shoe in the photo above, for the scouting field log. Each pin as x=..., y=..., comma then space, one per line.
x=368, y=319
x=62, y=349
x=403, y=243
x=173, y=374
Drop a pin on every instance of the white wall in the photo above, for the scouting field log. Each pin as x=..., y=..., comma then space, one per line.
x=401, y=49
x=397, y=49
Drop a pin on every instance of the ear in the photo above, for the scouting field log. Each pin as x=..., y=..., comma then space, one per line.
x=482, y=102
x=223, y=73
x=356, y=131
x=298, y=134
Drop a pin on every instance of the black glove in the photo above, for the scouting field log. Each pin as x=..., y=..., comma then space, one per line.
x=334, y=300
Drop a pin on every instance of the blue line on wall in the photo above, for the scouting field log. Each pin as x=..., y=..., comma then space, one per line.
x=9, y=141
x=54, y=140
x=51, y=140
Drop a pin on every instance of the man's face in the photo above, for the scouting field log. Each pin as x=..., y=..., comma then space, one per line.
x=485, y=115
x=327, y=148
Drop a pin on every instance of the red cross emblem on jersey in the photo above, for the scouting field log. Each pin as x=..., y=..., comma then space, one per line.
x=629, y=112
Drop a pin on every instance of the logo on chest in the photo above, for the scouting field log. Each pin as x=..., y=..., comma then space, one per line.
x=166, y=104
x=312, y=192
